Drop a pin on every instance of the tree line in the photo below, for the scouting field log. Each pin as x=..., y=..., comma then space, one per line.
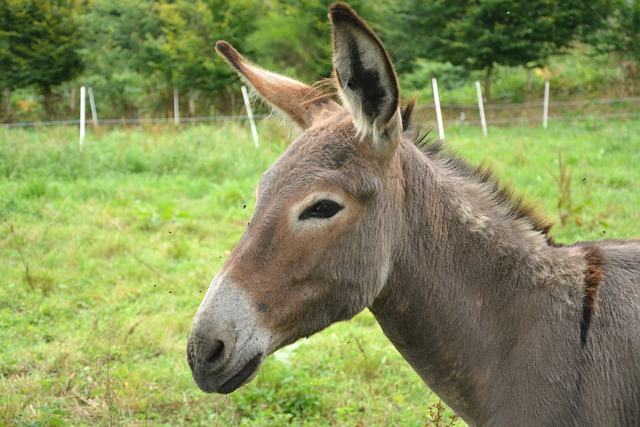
x=135, y=53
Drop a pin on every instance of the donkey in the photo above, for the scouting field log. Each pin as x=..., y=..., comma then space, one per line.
x=507, y=327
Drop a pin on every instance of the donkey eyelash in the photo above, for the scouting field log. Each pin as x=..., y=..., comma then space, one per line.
x=322, y=209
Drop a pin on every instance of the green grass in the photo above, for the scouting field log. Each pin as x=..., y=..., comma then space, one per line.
x=602, y=158
x=122, y=239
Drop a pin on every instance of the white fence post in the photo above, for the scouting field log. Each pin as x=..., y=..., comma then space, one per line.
x=176, y=107
x=483, y=120
x=82, y=115
x=252, y=123
x=545, y=107
x=436, y=99
x=92, y=104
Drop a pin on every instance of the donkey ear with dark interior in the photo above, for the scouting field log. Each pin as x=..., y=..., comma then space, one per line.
x=367, y=81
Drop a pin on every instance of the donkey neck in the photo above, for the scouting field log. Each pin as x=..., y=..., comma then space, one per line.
x=462, y=274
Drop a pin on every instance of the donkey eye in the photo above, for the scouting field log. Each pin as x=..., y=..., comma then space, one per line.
x=321, y=209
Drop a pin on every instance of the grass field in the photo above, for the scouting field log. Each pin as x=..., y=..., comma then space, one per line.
x=105, y=255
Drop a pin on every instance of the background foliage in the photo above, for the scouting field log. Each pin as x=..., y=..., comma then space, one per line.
x=40, y=44
x=105, y=253
x=134, y=54
x=479, y=35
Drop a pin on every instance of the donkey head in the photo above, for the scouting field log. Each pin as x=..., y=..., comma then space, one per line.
x=318, y=248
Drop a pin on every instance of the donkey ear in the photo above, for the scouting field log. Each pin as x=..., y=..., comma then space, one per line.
x=368, y=83
x=298, y=101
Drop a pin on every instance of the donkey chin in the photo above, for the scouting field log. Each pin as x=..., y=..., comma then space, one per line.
x=227, y=353
x=226, y=380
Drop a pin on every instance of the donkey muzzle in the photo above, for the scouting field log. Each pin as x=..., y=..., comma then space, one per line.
x=226, y=346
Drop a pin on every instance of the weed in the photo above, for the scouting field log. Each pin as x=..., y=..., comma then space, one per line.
x=563, y=183
x=368, y=373
x=18, y=245
x=567, y=209
x=108, y=384
x=437, y=416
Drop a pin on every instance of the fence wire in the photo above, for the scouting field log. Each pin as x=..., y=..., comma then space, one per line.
x=133, y=121
x=500, y=114
x=531, y=113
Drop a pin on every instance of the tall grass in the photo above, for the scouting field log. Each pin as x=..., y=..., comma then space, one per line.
x=105, y=255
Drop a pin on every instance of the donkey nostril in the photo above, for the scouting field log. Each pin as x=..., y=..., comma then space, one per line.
x=216, y=351
x=191, y=359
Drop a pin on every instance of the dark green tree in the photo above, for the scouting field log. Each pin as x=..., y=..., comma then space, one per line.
x=620, y=36
x=119, y=50
x=7, y=61
x=190, y=29
x=39, y=44
x=294, y=37
x=479, y=34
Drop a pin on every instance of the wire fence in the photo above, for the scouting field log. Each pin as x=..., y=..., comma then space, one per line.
x=135, y=121
x=497, y=114
x=531, y=113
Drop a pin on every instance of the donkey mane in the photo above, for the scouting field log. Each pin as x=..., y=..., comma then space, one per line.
x=517, y=207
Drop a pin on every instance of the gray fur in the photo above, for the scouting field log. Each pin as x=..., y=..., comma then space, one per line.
x=499, y=312
x=507, y=327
